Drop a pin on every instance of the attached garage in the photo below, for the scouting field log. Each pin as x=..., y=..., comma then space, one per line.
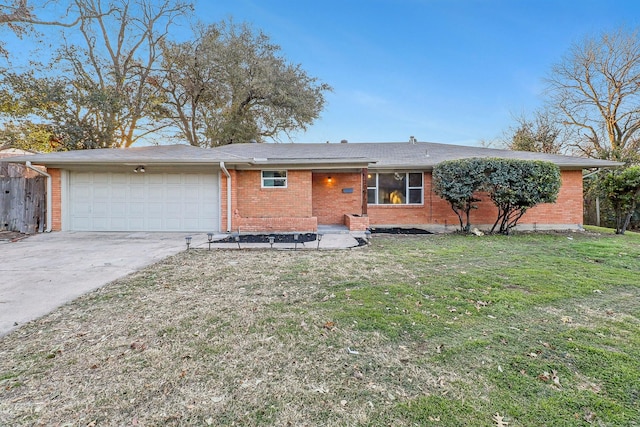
x=127, y=201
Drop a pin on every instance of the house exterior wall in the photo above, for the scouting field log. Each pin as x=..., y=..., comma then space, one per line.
x=330, y=203
x=568, y=210
x=257, y=209
x=308, y=200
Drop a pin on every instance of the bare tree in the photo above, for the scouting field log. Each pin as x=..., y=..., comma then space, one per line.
x=232, y=85
x=116, y=60
x=101, y=90
x=21, y=16
x=595, y=89
x=540, y=134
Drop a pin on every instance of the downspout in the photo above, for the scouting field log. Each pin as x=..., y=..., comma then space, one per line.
x=49, y=198
x=226, y=172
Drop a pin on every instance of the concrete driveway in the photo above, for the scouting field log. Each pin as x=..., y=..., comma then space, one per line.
x=45, y=271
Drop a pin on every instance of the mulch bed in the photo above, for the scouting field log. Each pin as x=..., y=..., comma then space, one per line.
x=398, y=230
x=264, y=238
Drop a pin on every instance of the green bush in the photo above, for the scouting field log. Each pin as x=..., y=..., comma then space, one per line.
x=513, y=185
x=457, y=181
x=623, y=191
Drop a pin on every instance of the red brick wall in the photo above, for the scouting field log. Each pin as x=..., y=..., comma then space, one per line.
x=268, y=209
x=280, y=224
x=56, y=199
x=356, y=223
x=569, y=207
x=436, y=211
x=330, y=204
x=257, y=202
x=310, y=200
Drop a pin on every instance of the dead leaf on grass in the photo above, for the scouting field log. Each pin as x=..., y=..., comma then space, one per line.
x=329, y=325
x=589, y=416
x=566, y=319
x=138, y=345
x=439, y=348
x=328, y=297
x=499, y=420
x=545, y=376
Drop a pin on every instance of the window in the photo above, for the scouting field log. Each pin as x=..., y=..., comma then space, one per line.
x=274, y=179
x=397, y=188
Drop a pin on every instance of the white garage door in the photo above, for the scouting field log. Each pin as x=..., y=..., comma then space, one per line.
x=143, y=202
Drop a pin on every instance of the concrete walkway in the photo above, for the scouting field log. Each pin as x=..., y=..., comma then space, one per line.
x=44, y=271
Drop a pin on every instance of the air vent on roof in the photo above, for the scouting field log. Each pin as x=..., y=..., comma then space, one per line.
x=344, y=141
x=412, y=139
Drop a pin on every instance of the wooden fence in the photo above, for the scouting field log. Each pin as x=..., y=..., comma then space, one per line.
x=22, y=199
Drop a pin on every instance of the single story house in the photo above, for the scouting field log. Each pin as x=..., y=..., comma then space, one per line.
x=278, y=188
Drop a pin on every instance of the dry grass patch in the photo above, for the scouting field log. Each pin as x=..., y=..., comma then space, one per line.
x=408, y=330
x=224, y=336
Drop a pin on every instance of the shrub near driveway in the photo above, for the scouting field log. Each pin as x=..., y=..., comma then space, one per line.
x=529, y=329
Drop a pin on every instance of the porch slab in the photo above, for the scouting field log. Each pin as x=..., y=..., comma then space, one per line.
x=333, y=229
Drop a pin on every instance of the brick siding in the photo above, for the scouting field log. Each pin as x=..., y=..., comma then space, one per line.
x=567, y=210
x=310, y=199
x=56, y=199
x=268, y=209
x=330, y=202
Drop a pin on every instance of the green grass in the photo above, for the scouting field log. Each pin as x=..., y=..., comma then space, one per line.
x=537, y=292
x=445, y=330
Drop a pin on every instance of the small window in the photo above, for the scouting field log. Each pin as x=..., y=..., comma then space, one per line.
x=397, y=188
x=272, y=179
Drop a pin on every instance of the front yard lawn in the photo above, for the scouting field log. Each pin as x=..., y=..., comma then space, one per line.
x=444, y=330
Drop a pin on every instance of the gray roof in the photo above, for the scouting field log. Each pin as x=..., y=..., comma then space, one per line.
x=156, y=154
x=419, y=155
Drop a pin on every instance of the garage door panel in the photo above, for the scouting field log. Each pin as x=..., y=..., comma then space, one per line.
x=100, y=209
x=119, y=223
x=119, y=178
x=177, y=193
x=119, y=210
x=119, y=193
x=143, y=202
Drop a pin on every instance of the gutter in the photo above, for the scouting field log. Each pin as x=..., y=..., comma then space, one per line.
x=49, y=198
x=226, y=172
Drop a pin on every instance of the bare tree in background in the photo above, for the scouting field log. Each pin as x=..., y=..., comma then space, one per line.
x=101, y=89
x=540, y=134
x=117, y=61
x=595, y=89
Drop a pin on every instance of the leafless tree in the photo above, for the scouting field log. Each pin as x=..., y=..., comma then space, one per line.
x=595, y=89
x=540, y=133
x=114, y=61
x=21, y=16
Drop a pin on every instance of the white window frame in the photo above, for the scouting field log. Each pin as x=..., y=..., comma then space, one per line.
x=408, y=189
x=264, y=179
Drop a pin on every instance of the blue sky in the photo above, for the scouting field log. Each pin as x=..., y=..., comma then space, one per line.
x=451, y=71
